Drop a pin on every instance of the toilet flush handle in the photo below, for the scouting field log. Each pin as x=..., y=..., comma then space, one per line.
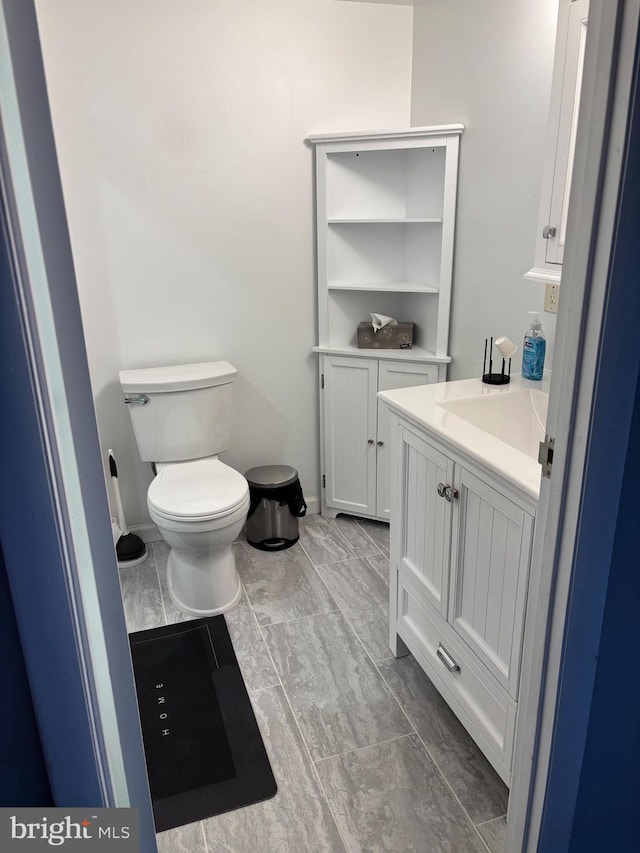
x=140, y=400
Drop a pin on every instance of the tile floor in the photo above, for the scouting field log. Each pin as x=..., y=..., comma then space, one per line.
x=366, y=754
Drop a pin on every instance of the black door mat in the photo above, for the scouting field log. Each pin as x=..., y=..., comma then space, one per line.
x=204, y=751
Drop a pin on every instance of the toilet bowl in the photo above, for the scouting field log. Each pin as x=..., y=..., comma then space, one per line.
x=181, y=416
x=200, y=508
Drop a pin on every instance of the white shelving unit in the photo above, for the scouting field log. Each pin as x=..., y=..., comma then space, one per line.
x=385, y=232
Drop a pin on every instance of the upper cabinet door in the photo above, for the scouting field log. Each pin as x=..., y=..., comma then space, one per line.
x=350, y=433
x=566, y=89
x=567, y=128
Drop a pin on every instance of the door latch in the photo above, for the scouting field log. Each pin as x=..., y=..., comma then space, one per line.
x=545, y=455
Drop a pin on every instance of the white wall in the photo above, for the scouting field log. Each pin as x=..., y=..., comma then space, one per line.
x=180, y=130
x=488, y=64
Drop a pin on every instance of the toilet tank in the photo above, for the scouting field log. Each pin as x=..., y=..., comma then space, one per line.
x=188, y=410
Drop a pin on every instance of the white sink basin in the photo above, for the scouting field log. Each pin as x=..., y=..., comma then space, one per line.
x=516, y=417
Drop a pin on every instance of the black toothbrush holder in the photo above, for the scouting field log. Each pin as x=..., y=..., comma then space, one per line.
x=506, y=348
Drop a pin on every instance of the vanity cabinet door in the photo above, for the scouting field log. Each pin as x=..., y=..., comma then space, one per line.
x=394, y=374
x=350, y=411
x=425, y=524
x=490, y=552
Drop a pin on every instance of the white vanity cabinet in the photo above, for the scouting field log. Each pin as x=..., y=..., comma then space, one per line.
x=460, y=553
x=561, y=140
x=355, y=426
x=385, y=215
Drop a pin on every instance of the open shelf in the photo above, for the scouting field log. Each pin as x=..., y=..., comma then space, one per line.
x=385, y=219
x=398, y=220
x=419, y=354
x=384, y=286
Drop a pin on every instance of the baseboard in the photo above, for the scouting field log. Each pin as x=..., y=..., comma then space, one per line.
x=313, y=506
x=150, y=533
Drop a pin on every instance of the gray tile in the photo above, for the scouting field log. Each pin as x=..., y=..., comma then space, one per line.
x=475, y=782
x=141, y=596
x=253, y=656
x=378, y=531
x=182, y=839
x=174, y=614
x=337, y=695
x=390, y=797
x=361, y=590
x=327, y=540
x=281, y=585
x=494, y=833
x=248, y=643
x=298, y=818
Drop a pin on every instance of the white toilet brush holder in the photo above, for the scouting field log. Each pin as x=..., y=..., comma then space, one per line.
x=130, y=548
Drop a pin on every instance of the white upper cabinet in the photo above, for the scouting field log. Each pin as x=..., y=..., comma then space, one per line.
x=563, y=122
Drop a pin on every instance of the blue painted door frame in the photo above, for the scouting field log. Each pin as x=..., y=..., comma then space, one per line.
x=593, y=794
x=55, y=528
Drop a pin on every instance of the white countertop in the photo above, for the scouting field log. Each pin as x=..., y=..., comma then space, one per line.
x=425, y=405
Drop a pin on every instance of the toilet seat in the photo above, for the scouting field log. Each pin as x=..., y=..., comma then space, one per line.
x=200, y=490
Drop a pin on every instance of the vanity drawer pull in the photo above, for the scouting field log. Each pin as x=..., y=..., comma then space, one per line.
x=446, y=659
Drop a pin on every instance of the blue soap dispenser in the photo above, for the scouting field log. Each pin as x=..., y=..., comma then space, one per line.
x=533, y=349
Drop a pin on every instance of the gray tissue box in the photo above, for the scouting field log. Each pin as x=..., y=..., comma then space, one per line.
x=388, y=337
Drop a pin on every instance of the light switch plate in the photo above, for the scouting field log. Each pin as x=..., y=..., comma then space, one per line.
x=551, y=298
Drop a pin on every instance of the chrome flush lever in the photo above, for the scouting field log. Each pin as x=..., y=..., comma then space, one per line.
x=140, y=400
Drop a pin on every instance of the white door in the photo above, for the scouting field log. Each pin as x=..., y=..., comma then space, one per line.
x=350, y=386
x=425, y=537
x=400, y=374
x=490, y=554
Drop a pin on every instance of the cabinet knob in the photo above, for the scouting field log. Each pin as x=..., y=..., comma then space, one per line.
x=380, y=443
x=447, y=492
x=548, y=232
x=370, y=441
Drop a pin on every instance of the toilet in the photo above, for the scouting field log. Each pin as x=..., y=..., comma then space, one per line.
x=181, y=418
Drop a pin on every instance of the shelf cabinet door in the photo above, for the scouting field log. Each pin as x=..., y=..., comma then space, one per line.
x=350, y=433
x=490, y=553
x=424, y=518
x=394, y=375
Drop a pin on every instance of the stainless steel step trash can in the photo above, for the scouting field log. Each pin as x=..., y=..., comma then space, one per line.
x=276, y=505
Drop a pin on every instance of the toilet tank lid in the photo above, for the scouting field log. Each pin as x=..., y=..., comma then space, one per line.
x=179, y=377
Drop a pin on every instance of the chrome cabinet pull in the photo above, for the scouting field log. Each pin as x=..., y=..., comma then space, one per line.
x=450, y=493
x=140, y=400
x=380, y=443
x=447, y=492
x=370, y=441
x=446, y=659
x=548, y=232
